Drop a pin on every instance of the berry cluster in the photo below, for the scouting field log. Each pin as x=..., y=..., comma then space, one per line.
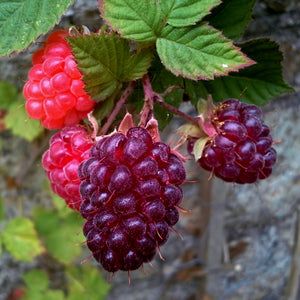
x=241, y=150
x=68, y=148
x=54, y=91
x=130, y=191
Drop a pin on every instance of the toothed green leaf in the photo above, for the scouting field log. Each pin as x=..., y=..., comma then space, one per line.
x=231, y=17
x=20, y=239
x=199, y=52
x=140, y=20
x=106, y=62
x=22, y=21
x=186, y=12
x=256, y=84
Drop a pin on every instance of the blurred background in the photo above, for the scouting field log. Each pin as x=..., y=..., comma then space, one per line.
x=239, y=242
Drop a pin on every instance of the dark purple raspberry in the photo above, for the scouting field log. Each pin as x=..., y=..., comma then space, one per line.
x=130, y=188
x=241, y=150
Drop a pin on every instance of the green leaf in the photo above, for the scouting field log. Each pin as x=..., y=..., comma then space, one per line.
x=45, y=220
x=62, y=242
x=231, y=17
x=53, y=295
x=20, y=124
x=107, y=62
x=22, y=21
x=8, y=94
x=60, y=205
x=140, y=20
x=36, y=280
x=195, y=90
x=86, y=283
x=186, y=12
x=21, y=240
x=262, y=81
x=199, y=52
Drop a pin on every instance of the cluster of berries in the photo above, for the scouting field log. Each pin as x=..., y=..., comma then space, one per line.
x=55, y=92
x=126, y=184
x=241, y=149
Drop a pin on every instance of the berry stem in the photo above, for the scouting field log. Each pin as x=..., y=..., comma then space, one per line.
x=151, y=97
x=117, y=108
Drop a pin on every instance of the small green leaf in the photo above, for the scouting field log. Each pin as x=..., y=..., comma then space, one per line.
x=60, y=205
x=53, y=295
x=256, y=84
x=186, y=12
x=45, y=220
x=21, y=240
x=36, y=280
x=231, y=17
x=18, y=121
x=86, y=283
x=199, y=52
x=8, y=94
x=107, y=62
x=198, y=147
x=140, y=20
x=22, y=21
x=63, y=241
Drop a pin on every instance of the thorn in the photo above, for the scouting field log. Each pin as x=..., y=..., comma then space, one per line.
x=177, y=233
x=182, y=209
x=129, y=278
x=150, y=263
x=158, y=250
x=85, y=260
x=211, y=175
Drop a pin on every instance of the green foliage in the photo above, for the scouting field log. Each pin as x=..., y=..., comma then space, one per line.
x=262, y=81
x=231, y=17
x=22, y=21
x=21, y=240
x=186, y=12
x=141, y=20
x=1, y=209
x=199, y=52
x=107, y=61
x=8, y=94
x=37, y=282
x=61, y=235
x=20, y=124
x=86, y=283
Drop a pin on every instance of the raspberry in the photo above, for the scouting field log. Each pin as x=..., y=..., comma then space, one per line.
x=54, y=91
x=68, y=148
x=241, y=150
x=130, y=191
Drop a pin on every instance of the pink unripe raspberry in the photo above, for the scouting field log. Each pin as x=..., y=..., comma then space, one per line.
x=68, y=148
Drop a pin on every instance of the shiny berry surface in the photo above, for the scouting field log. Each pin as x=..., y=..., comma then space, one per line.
x=68, y=148
x=130, y=188
x=54, y=91
x=241, y=150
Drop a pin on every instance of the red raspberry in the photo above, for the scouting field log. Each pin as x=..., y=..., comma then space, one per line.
x=240, y=151
x=130, y=191
x=68, y=148
x=55, y=92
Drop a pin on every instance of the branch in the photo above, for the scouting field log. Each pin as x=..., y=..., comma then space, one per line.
x=117, y=108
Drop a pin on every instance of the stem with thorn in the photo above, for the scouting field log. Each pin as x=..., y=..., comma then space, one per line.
x=151, y=97
x=117, y=108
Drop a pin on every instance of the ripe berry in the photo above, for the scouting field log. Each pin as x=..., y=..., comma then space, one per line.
x=54, y=91
x=241, y=150
x=68, y=148
x=130, y=191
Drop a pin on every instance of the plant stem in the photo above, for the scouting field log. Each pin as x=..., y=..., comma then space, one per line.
x=117, y=108
x=147, y=110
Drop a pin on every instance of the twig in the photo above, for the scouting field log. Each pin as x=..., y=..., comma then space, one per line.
x=117, y=108
x=151, y=96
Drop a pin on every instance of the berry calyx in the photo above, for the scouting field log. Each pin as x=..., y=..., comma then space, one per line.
x=68, y=148
x=130, y=188
x=241, y=149
x=54, y=91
